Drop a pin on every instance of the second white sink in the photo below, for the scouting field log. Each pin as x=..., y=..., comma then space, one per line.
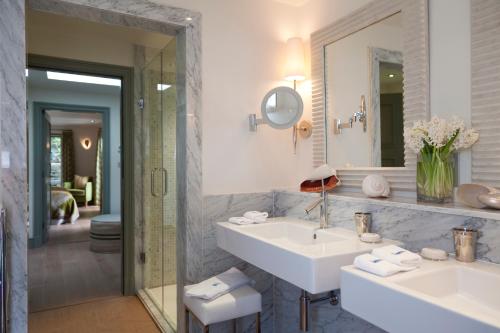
x=295, y=250
x=438, y=297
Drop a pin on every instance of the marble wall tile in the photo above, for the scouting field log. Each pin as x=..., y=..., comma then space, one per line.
x=13, y=185
x=219, y=208
x=323, y=316
x=416, y=228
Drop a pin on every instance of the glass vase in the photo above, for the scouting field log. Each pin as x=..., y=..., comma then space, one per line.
x=435, y=177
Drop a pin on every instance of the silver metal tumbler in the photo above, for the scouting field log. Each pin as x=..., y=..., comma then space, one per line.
x=363, y=222
x=465, y=244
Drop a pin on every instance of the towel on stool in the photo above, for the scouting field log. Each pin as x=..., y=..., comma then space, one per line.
x=219, y=285
x=377, y=266
x=398, y=256
x=256, y=217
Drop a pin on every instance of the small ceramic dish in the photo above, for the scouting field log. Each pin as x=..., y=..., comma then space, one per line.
x=468, y=194
x=433, y=254
x=491, y=200
x=369, y=237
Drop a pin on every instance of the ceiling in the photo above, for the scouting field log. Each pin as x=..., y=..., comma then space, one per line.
x=58, y=24
x=38, y=79
x=295, y=3
x=65, y=118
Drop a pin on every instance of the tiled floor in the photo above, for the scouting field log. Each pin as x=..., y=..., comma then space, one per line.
x=169, y=305
x=116, y=315
x=65, y=271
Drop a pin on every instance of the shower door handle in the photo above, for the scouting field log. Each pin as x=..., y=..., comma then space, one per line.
x=153, y=193
x=165, y=181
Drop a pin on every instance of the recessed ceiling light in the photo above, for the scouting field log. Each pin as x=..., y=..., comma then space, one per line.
x=189, y=18
x=161, y=87
x=92, y=121
x=391, y=75
x=83, y=79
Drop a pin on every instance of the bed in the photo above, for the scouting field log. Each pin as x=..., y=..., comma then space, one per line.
x=63, y=206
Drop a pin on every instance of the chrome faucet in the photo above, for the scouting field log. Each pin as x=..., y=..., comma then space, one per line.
x=323, y=205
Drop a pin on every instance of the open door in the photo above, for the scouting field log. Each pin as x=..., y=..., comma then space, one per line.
x=46, y=178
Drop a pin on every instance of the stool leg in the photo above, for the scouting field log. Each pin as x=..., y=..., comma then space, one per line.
x=187, y=318
x=234, y=325
x=257, y=324
x=205, y=329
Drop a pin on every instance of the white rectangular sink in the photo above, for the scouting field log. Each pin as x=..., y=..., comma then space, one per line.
x=295, y=250
x=438, y=297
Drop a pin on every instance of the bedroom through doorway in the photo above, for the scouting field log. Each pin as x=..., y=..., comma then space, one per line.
x=74, y=133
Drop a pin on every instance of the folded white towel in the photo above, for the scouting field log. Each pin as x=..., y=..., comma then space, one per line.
x=240, y=220
x=257, y=217
x=398, y=256
x=219, y=285
x=374, y=265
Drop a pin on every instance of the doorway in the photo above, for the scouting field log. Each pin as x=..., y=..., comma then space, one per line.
x=186, y=26
x=73, y=185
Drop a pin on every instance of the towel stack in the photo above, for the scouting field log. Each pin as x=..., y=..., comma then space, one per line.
x=250, y=218
x=388, y=260
x=219, y=285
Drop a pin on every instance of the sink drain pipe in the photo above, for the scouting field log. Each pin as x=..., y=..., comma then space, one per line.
x=305, y=301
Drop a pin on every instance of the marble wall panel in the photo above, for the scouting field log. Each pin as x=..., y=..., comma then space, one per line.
x=414, y=225
x=13, y=185
x=215, y=260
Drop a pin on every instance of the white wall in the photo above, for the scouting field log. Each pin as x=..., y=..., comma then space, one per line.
x=450, y=63
x=111, y=101
x=242, y=56
x=241, y=59
x=85, y=159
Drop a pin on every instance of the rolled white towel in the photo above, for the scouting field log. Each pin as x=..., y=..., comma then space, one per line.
x=240, y=220
x=219, y=285
x=398, y=256
x=374, y=265
x=257, y=217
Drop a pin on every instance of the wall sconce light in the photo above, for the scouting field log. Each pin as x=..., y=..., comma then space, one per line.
x=86, y=143
x=295, y=71
x=295, y=63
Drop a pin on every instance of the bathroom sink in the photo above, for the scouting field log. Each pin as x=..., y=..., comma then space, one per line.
x=295, y=250
x=438, y=297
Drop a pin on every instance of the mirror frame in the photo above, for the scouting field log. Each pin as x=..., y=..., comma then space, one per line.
x=485, y=59
x=416, y=82
x=287, y=90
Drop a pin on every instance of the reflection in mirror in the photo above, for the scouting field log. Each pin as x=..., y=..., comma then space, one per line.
x=282, y=107
x=391, y=116
x=368, y=62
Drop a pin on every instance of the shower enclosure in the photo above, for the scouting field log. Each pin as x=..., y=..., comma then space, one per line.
x=159, y=182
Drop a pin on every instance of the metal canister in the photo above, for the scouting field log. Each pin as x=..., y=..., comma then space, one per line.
x=464, y=240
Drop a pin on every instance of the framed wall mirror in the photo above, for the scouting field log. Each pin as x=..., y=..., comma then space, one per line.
x=370, y=74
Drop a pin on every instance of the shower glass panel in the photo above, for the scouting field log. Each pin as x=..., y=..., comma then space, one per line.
x=159, y=191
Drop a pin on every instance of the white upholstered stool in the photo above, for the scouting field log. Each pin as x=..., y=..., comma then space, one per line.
x=238, y=303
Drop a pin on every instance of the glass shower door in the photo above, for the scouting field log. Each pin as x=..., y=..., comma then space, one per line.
x=159, y=175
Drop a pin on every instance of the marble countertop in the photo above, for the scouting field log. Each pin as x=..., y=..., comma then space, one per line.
x=454, y=208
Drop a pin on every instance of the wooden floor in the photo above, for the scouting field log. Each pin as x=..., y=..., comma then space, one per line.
x=120, y=315
x=64, y=271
